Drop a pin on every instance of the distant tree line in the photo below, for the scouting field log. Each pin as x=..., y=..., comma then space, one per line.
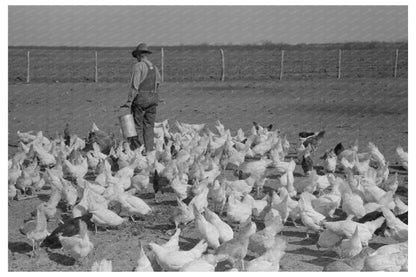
x=355, y=45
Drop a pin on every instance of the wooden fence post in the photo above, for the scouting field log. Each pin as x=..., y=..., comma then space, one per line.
x=162, y=64
x=281, y=65
x=222, y=66
x=28, y=67
x=96, y=67
x=339, y=64
x=395, y=64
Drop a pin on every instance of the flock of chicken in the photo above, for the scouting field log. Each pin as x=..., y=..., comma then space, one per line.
x=86, y=176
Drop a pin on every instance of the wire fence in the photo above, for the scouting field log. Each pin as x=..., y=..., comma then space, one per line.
x=114, y=65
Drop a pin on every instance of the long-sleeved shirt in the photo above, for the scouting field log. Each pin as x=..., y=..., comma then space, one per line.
x=139, y=74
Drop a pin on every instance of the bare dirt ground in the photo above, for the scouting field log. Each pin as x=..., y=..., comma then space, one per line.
x=367, y=109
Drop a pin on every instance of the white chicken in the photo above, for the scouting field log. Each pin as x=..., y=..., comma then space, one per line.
x=352, y=203
x=270, y=260
x=328, y=239
x=257, y=205
x=104, y=217
x=76, y=171
x=391, y=257
x=217, y=193
x=326, y=204
x=78, y=246
x=40, y=232
x=376, y=155
x=400, y=207
x=102, y=266
x=238, y=211
x=45, y=158
x=397, y=228
x=183, y=213
x=205, y=263
x=264, y=240
x=310, y=218
x=347, y=228
x=206, y=231
x=133, y=205
x=391, y=184
x=403, y=156
x=200, y=201
x=330, y=161
x=224, y=230
x=25, y=137
x=175, y=260
x=143, y=263
x=256, y=168
x=351, y=246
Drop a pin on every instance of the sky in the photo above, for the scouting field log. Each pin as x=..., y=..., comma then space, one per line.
x=174, y=25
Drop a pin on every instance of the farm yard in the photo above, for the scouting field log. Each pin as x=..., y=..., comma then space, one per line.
x=364, y=109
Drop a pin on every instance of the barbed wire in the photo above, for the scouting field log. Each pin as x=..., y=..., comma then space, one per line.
x=114, y=65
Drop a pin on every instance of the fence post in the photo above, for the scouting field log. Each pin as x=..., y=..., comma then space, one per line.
x=162, y=65
x=339, y=64
x=281, y=65
x=96, y=67
x=28, y=67
x=395, y=64
x=222, y=66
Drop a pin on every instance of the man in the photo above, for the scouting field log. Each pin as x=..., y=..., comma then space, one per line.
x=145, y=80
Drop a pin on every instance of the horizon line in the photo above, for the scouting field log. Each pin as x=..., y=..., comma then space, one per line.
x=205, y=44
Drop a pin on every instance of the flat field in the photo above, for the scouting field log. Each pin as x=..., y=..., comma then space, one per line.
x=373, y=110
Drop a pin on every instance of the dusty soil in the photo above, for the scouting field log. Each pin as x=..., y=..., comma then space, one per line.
x=367, y=109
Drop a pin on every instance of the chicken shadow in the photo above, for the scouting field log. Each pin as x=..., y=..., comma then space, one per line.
x=399, y=169
x=304, y=242
x=61, y=259
x=322, y=258
x=161, y=227
x=148, y=195
x=321, y=261
x=376, y=245
x=297, y=234
x=20, y=247
x=296, y=174
x=165, y=202
x=319, y=170
x=223, y=266
x=43, y=197
x=402, y=190
x=187, y=243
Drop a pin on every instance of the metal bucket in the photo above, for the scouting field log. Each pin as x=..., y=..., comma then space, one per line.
x=127, y=125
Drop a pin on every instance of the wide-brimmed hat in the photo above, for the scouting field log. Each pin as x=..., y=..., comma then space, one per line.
x=141, y=48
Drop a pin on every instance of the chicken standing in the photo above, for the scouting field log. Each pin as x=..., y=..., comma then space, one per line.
x=391, y=257
x=225, y=231
x=175, y=260
x=403, y=156
x=143, y=263
x=352, y=246
x=78, y=246
x=236, y=249
x=40, y=231
x=264, y=240
x=397, y=228
x=270, y=260
x=310, y=218
x=206, y=230
x=102, y=266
